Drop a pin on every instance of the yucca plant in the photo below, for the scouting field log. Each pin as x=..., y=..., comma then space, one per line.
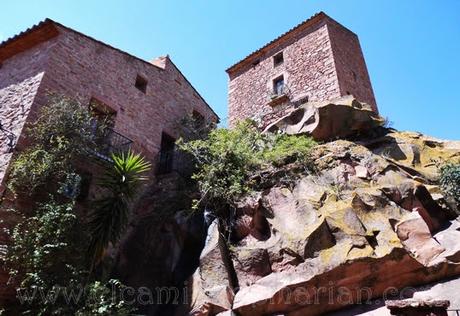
x=110, y=215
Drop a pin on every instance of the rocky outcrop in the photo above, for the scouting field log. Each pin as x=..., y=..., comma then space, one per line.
x=369, y=219
x=161, y=248
x=328, y=120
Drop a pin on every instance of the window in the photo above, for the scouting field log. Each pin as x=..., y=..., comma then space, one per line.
x=141, y=84
x=102, y=114
x=278, y=59
x=85, y=184
x=198, y=119
x=278, y=86
x=166, y=155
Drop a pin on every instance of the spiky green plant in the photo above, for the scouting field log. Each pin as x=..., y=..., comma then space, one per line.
x=109, y=217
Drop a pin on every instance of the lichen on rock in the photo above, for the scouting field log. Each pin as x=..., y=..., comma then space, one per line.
x=371, y=216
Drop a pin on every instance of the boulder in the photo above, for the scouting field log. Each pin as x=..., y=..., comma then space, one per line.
x=328, y=120
x=211, y=293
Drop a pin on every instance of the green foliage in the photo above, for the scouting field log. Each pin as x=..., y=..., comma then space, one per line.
x=100, y=300
x=43, y=255
x=41, y=241
x=47, y=256
x=228, y=157
x=450, y=181
x=47, y=260
x=31, y=170
x=288, y=147
x=65, y=126
x=110, y=214
x=63, y=131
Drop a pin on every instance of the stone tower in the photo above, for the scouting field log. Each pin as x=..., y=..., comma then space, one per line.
x=317, y=60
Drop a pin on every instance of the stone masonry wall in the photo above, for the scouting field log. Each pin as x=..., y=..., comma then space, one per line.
x=83, y=68
x=20, y=78
x=321, y=62
x=308, y=70
x=79, y=67
x=350, y=64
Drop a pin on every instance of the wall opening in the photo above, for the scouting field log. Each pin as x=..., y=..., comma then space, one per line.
x=166, y=155
x=141, y=84
x=278, y=85
x=278, y=59
x=103, y=115
x=198, y=119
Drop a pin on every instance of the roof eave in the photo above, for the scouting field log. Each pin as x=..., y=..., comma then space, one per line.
x=317, y=18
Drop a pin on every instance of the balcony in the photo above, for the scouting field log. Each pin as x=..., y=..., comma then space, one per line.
x=111, y=142
x=173, y=160
x=279, y=96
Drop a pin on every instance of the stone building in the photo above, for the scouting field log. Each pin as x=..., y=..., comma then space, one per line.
x=317, y=60
x=146, y=99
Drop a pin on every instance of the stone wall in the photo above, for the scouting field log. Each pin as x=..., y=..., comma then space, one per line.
x=350, y=64
x=83, y=68
x=80, y=67
x=75, y=65
x=321, y=62
x=20, y=78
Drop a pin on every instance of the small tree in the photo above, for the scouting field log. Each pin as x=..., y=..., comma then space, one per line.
x=227, y=158
x=63, y=131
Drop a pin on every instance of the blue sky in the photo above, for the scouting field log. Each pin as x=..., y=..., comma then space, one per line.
x=412, y=48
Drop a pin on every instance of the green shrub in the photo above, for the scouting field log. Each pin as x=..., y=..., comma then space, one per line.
x=43, y=256
x=48, y=256
x=103, y=299
x=63, y=131
x=284, y=147
x=31, y=169
x=227, y=158
x=450, y=181
x=65, y=126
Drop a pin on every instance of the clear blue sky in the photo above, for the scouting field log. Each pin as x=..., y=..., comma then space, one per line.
x=412, y=48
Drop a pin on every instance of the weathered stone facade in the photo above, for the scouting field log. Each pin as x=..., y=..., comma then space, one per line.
x=321, y=60
x=51, y=58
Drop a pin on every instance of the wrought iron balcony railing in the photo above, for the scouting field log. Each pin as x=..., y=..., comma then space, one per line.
x=279, y=91
x=111, y=142
x=278, y=96
x=174, y=160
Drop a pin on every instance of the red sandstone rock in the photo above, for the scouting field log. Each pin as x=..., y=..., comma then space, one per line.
x=328, y=120
x=417, y=307
x=342, y=231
